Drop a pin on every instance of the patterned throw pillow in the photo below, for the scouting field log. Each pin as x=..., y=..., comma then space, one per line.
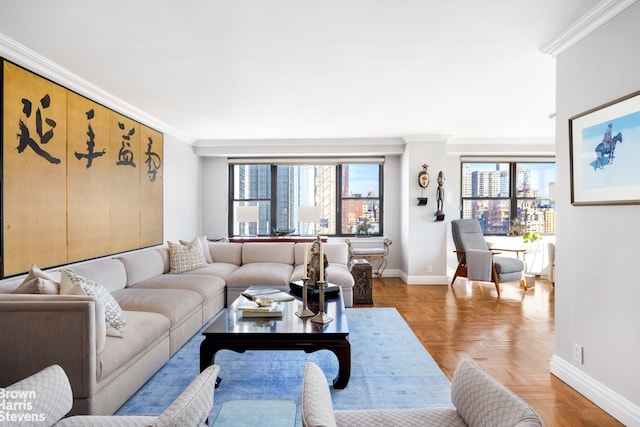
x=187, y=257
x=204, y=242
x=74, y=284
x=38, y=282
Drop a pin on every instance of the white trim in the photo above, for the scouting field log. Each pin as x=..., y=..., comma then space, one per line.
x=602, y=13
x=300, y=147
x=424, y=280
x=34, y=62
x=304, y=160
x=616, y=405
x=507, y=159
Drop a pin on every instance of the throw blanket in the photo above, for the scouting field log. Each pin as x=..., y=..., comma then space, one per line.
x=479, y=264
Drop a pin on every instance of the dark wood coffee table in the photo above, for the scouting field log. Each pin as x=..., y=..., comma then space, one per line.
x=230, y=331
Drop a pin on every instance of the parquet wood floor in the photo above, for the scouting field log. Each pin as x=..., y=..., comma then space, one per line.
x=511, y=338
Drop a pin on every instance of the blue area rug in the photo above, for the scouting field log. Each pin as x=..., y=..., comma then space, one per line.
x=389, y=369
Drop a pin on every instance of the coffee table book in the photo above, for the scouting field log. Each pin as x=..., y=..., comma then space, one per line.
x=251, y=309
x=275, y=294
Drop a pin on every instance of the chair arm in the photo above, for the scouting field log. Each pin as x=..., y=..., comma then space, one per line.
x=317, y=407
x=43, y=330
x=518, y=251
x=193, y=405
x=47, y=394
x=477, y=397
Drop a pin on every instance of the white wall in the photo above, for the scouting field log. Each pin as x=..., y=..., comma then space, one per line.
x=424, y=239
x=597, y=294
x=215, y=197
x=182, y=190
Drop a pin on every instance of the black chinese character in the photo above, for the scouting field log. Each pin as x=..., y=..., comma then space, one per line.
x=125, y=155
x=44, y=137
x=153, y=162
x=91, y=143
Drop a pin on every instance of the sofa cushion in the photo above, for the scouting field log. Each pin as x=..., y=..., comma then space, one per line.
x=205, y=285
x=277, y=252
x=143, y=330
x=230, y=253
x=261, y=273
x=186, y=257
x=174, y=304
x=142, y=265
x=110, y=273
x=74, y=284
x=219, y=269
x=204, y=243
x=38, y=282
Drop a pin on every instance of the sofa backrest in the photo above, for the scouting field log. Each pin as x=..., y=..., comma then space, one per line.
x=230, y=253
x=110, y=273
x=142, y=265
x=337, y=252
x=281, y=252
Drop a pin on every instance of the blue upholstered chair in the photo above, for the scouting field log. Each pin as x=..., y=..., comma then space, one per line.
x=474, y=254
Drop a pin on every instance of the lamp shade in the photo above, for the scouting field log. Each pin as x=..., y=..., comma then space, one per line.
x=247, y=214
x=309, y=214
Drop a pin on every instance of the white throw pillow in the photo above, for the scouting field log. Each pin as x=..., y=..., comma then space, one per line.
x=187, y=257
x=38, y=282
x=205, y=248
x=74, y=284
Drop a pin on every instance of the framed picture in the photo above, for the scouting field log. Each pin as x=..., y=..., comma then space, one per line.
x=604, y=148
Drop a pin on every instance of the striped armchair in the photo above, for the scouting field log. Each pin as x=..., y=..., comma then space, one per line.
x=479, y=401
x=49, y=396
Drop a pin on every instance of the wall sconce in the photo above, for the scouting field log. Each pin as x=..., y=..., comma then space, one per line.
x=247, y=214
x=423, y=182
x=309, y=215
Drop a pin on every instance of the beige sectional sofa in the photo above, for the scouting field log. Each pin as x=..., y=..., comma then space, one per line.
x=162, y=310
x=277, y=264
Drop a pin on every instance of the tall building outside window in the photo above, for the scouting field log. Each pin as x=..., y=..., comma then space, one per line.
x=507, y=193
x=348, y=196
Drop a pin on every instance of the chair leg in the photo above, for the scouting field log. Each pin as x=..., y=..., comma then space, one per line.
x=461, y=269
x=382, y=266
x=495, y=280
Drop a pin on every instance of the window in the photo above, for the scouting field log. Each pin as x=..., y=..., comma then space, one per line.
x=347, y=197
x=507, y=193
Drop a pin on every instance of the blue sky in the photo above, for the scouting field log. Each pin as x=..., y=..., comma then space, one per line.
x=363, y=178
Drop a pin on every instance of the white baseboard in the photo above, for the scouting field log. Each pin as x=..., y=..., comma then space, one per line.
x=388, y=272
x=614, y=404
x=424, y=280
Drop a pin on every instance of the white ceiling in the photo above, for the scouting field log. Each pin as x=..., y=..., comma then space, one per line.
x=297, y=69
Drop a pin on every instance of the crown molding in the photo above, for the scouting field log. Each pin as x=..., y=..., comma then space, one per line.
x=590, y=22
x=34, y=62
x=300, y=147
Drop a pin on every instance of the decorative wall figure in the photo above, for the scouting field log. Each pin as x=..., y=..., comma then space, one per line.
x=440, y=197
x=423, y=182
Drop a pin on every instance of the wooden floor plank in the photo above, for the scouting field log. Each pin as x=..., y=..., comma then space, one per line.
x=512, y=338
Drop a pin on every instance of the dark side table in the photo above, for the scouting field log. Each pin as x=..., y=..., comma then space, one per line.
x=362, y=289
